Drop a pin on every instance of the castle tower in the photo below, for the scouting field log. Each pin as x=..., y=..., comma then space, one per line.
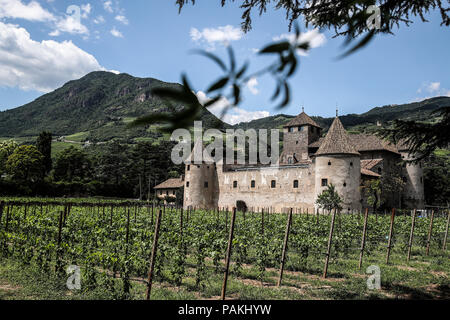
x=337, y=162
x=201, y=185
x=413, y=195
x=298, y=134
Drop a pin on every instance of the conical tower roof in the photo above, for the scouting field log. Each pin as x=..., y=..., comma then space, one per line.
x=336, y=141
x=301, y=120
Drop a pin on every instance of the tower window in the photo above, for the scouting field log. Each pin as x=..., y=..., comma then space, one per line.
x=324, y=182
x=252, y=184
x=351, y=164
x=206, y=184
x=187, y=184
x=234, y=184
x=188, y=168
x=273, y=184
x=295, y=184
x=329, y=163
x=345, y=184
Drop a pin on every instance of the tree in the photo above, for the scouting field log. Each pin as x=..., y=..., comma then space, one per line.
x=350, y=15
x=25, y=164
x=421, y=138
x=6, y=149
x=329, y=199
x=72, y=164
x=44, y=145
x=437, y=179
x=373, y=192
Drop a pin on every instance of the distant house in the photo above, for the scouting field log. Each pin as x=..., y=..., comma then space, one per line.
x=169, y=187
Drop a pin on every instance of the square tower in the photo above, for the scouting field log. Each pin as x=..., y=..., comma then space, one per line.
x=298, y=134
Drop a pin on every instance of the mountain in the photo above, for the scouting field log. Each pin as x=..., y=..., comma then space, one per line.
x=96, y=107
x=418, y=111
x=99, y=106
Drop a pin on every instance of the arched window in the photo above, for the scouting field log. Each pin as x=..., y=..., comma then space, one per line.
x=329, y=163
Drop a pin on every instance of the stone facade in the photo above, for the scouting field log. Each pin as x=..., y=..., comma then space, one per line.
x=307, y=164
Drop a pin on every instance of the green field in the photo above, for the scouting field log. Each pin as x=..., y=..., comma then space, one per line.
x=112, y=242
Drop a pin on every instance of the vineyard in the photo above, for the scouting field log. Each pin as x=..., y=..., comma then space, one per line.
x=129, y=249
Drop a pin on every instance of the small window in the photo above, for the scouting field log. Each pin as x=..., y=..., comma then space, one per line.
x=351, y=164
x=187, y=184
x=296, y=142
x=206, y=184
x=188, y=168
x=324, y=182
x=345, y=184
x=235, y=184
x=273, y=184
x=404, y=179
x=173, y=192
x=167, y=193
x=421, y=179
x=295, y=184
x=252, y=184
x=291, y=129
x=329, y=163
x=379, y=170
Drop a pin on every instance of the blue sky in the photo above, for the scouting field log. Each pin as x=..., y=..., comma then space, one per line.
x=42, y=46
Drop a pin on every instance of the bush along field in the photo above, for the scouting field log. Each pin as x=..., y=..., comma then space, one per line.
x=121, y=250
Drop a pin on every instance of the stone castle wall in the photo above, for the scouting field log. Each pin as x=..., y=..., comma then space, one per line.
x=283, y=196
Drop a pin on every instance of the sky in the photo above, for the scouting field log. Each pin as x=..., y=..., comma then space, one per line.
x=45, y=43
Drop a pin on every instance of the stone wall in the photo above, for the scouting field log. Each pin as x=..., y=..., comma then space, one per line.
x=283, y=196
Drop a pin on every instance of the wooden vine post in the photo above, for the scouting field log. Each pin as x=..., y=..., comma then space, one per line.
x=444, y=246
x=2, y=205
x=363, y=240
x=391, y=230
x=330, y=240
x=228, y=256
x=58, y=247
x=411, y=235
x=283, y=254
x=430, y=231
x=153, y=256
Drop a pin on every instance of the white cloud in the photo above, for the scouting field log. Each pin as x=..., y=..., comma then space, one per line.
x=122, y=18
x=252, y=86
x=99, y=20
x=433, y=87
x=70, y=24
x=107, y=5
x=116, y=33
x=17, y=10
x=313, y=37
x=234, y=114
x=431, y=90
x=41, y=66
x=86, y=9
x=211, y=36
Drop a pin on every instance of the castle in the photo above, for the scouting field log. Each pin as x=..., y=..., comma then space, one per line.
x=308, y=163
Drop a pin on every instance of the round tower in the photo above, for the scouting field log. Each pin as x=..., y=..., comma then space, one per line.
x=413, y=195
x=201, y=180
x=337, y=162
